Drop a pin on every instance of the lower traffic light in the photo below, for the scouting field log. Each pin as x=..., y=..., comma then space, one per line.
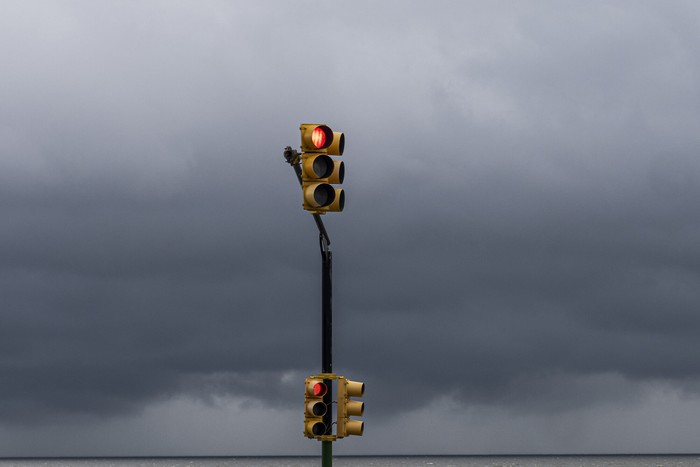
x=350, y=408
x=314, y=407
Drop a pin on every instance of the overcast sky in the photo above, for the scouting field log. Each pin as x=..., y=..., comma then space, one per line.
x=517, y=269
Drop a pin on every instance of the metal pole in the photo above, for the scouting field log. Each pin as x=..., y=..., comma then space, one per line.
x=326, y=308
x=326, y=454
x=327, y=342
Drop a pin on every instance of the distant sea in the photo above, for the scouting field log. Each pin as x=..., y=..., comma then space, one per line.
x=367, y=461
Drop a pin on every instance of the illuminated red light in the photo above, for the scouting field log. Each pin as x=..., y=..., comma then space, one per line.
x=320, y=389
x=318, y=137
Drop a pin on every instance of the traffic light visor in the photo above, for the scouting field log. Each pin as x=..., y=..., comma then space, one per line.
x=316, y=388
x=338, y=203
x=315, y=428
x=316, y=408
x=337, y=174
x=319, y=137
x=319, y=195
x=320, y=389
x=316, y=166
x=355, y=427
x=318, y=429
x=355, y=388
x=315, y=137
x=337, y=146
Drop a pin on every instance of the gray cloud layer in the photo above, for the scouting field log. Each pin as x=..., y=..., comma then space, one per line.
x=521, y=219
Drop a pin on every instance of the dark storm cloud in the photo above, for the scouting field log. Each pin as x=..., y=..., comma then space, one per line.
x=521, y=222
x=561, y=246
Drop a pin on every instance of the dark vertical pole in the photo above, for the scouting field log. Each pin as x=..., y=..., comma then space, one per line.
x=326, y=309
x=327, y=340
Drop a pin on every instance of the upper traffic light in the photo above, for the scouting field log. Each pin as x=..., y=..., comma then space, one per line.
x=314, y=407
x=348, y=407
x=319, y=170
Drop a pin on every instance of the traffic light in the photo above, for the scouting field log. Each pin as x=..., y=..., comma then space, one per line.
x=314, y=407
x=320, y=171
x=350, y=408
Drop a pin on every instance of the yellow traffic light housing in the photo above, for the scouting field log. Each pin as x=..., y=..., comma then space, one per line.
x=314, y=407
x=350, y=408
x=319, y=171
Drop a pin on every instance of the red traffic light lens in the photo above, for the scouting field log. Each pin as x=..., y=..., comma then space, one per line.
x=320, y=389
x=318, y=137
